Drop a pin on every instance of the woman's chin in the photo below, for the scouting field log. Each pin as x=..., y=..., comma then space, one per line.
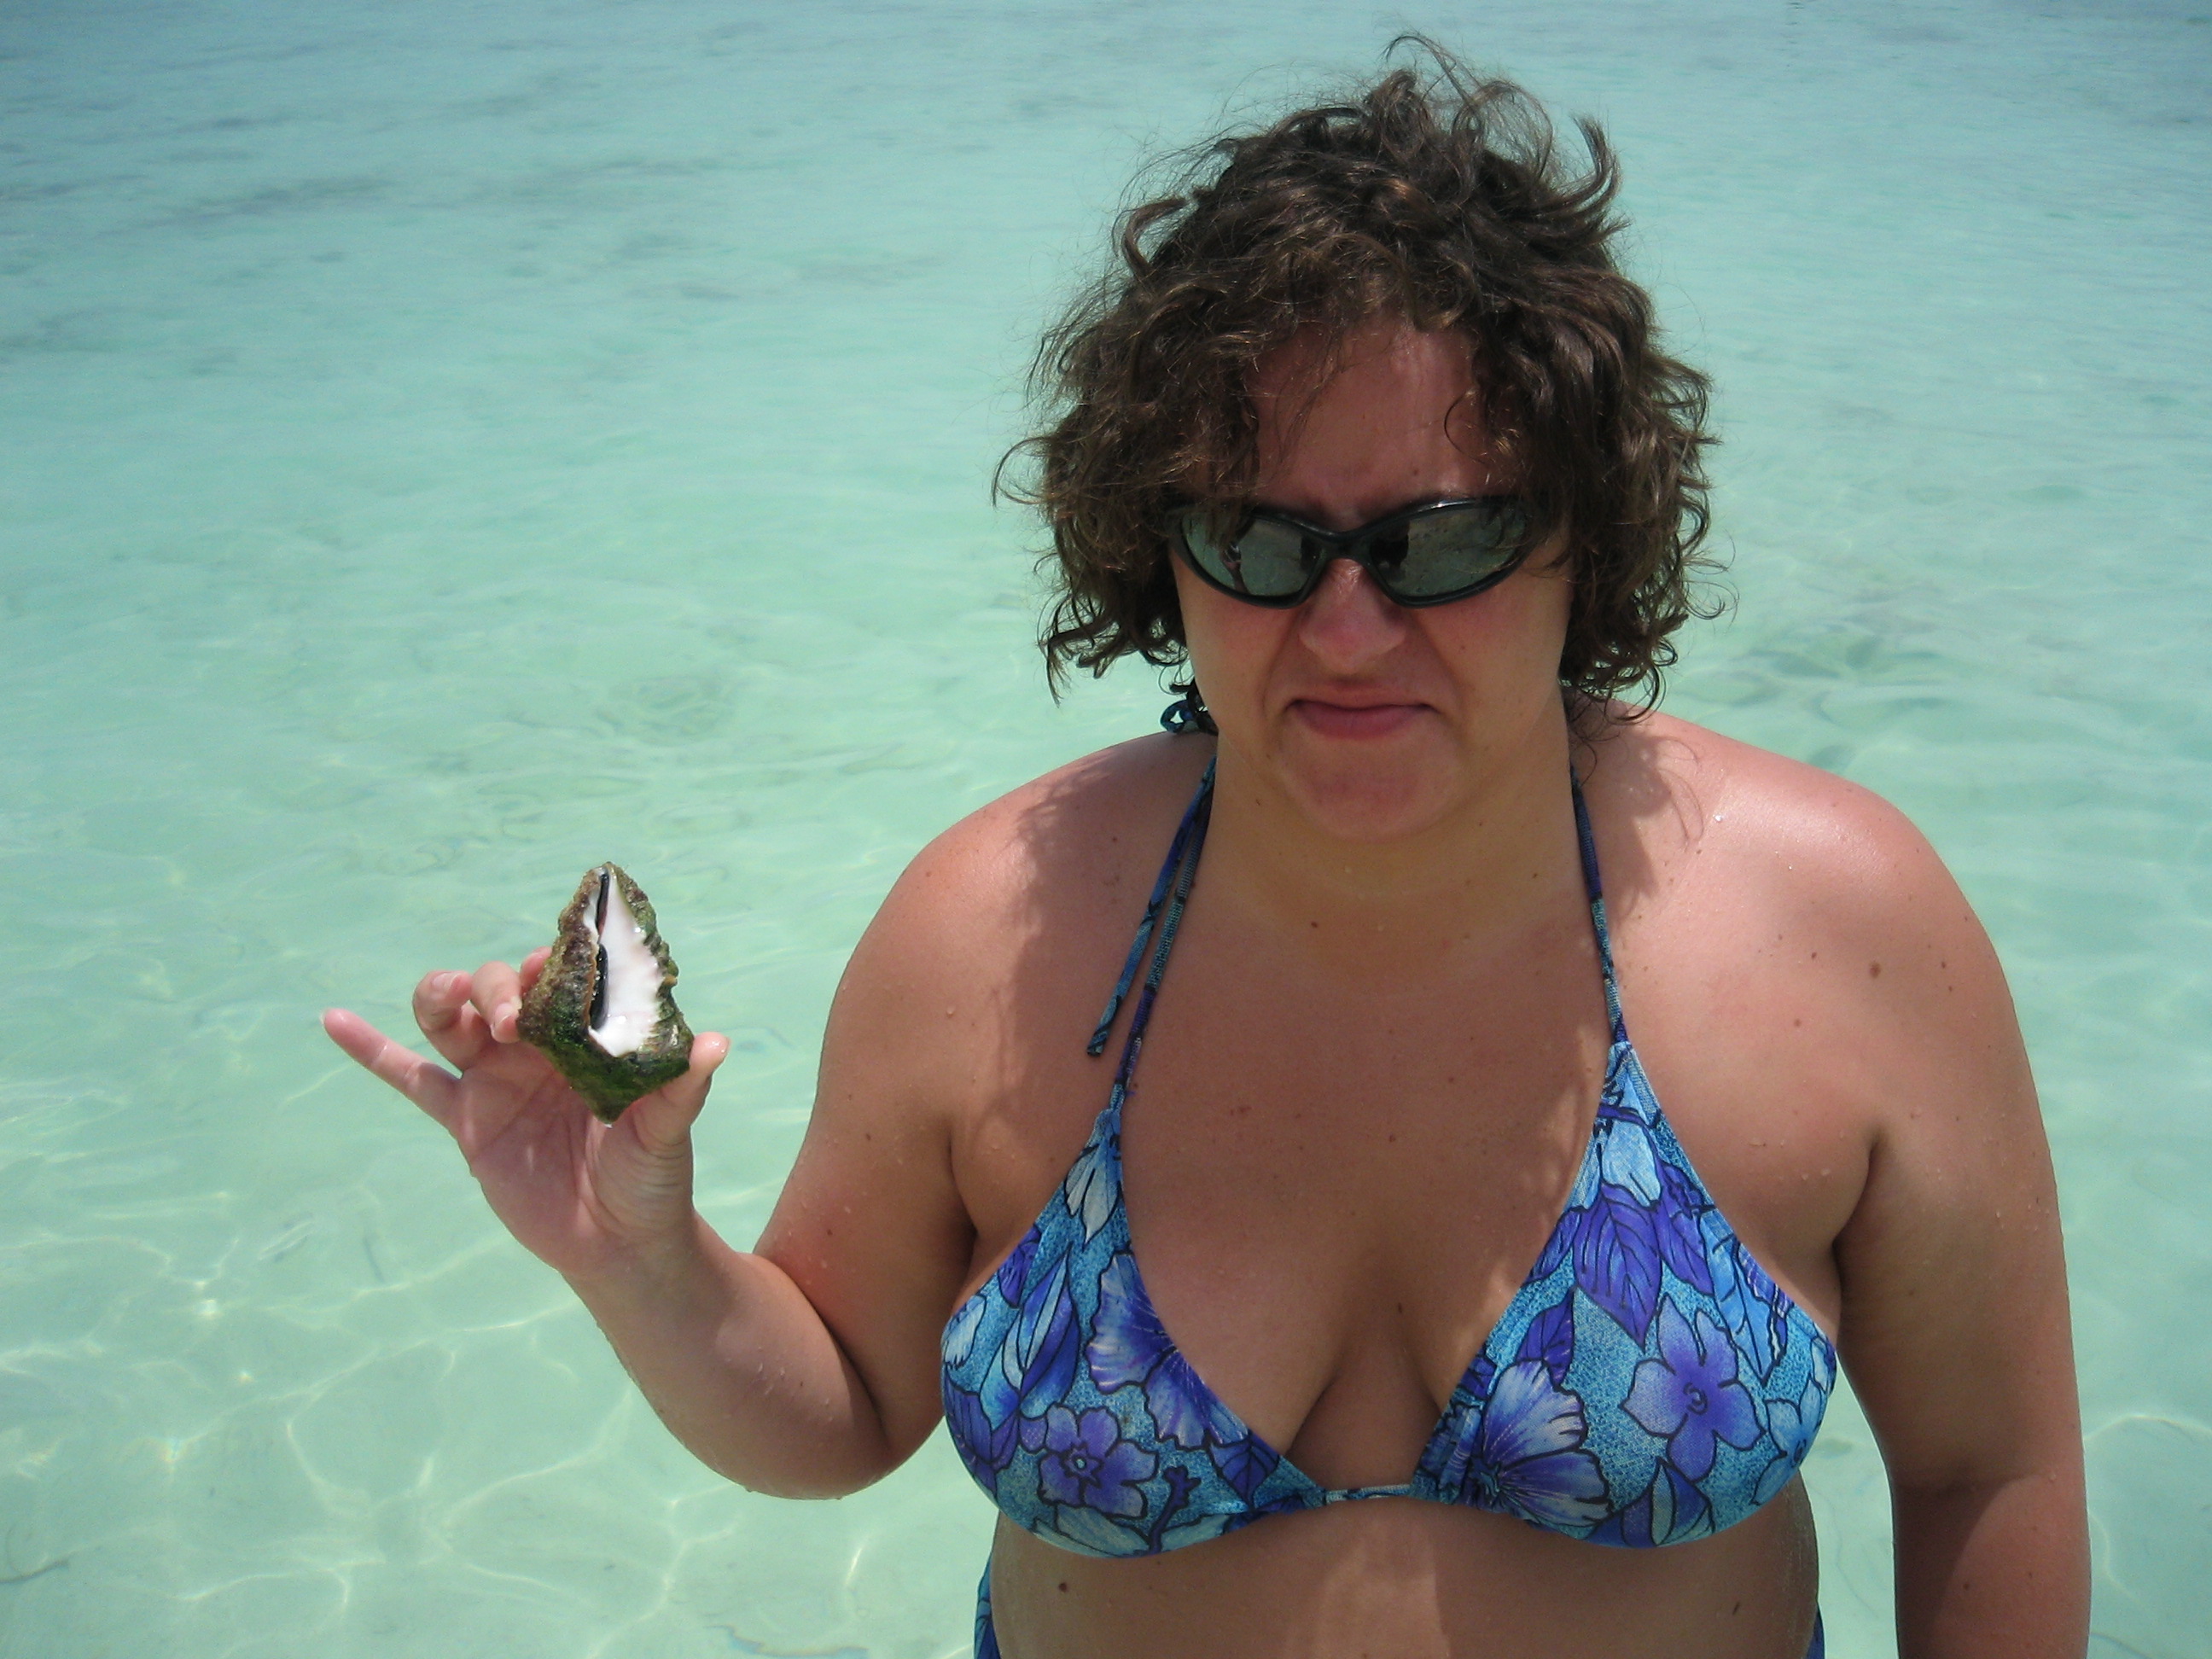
x=1374, y=794
x=1356, y=775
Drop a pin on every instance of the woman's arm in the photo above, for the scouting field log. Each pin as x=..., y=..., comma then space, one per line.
x=1955, y=1329
x=809, y=1371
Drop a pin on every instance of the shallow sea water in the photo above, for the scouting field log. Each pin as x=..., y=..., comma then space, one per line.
x=445, y=446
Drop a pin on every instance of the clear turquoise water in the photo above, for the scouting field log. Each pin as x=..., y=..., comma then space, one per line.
x=445, y=445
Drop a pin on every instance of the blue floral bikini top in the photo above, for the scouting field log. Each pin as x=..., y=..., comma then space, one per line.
x=1648, y=1383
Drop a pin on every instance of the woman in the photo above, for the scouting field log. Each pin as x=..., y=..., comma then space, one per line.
x=1369, y=432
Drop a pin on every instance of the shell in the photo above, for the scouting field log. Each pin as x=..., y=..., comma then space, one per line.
x=603, y=1010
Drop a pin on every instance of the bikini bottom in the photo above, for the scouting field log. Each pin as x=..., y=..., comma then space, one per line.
x=987, y=1635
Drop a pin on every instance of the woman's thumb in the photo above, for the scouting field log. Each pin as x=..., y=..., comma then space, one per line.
x=665, y=1115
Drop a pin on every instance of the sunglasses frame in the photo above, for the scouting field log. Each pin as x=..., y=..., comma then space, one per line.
x=1353, y=545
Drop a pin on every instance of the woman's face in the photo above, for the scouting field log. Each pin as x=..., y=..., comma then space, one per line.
x=1374, y=721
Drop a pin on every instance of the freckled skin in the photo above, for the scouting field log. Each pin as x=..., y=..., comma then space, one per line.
x=1369, y=1079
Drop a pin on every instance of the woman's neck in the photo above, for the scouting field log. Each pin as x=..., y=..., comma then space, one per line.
x=1496, y=861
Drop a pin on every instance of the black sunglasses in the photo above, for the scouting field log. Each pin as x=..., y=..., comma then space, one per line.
x=1421, y=556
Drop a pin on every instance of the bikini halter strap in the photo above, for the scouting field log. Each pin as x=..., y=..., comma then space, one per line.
x=1595, y=889
x=1164, y=910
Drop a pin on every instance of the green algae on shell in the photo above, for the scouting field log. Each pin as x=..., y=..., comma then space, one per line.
x=603, y=1010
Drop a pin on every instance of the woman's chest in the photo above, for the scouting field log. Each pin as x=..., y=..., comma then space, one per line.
x=1330, y=1197
x=1333, y=1188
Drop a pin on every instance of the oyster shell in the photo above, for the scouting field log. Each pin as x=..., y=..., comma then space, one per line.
x=603, y=1010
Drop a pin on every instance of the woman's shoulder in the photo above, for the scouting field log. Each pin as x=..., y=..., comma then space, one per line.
x=1701, y=808
x=1810, y=991
x=1800, y=890
x=1023, y=897
x=1076, y=833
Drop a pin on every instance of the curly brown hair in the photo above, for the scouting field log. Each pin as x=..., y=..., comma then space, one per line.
x=1440, y=197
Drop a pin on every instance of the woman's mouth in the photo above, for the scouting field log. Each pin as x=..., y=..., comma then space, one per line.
x=1351, y=720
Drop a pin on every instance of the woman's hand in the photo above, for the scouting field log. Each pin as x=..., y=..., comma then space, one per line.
x=585, y=1197
x=807, y=1367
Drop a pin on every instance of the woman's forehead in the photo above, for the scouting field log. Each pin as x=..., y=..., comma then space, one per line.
x=1387, y=415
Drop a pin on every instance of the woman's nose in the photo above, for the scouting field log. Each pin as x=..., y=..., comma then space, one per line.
x=1349, y=622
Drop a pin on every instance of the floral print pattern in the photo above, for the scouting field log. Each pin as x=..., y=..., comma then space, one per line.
x=1087, y=1461
x=1689, y=1394
x=1526, y=1458
x=1129, y=1347
x=1649, y=1382
x=1698, y=1383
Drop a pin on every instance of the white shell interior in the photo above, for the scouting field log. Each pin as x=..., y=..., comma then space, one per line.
x=633, y=978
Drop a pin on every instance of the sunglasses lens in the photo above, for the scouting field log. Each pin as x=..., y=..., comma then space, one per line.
x=1423, y=557
x=1451, y=551
x=1260, y=557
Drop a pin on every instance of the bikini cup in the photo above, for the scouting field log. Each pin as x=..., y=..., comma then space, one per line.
x=1649, y=1383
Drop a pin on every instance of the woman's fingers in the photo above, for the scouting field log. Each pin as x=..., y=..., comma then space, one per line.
x=532, y=965
x=429, y=1086
x=454, y=1028
x=496, y=991
x=666, y=1116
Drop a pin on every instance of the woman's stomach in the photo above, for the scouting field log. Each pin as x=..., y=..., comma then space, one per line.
x=1400, y=1578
